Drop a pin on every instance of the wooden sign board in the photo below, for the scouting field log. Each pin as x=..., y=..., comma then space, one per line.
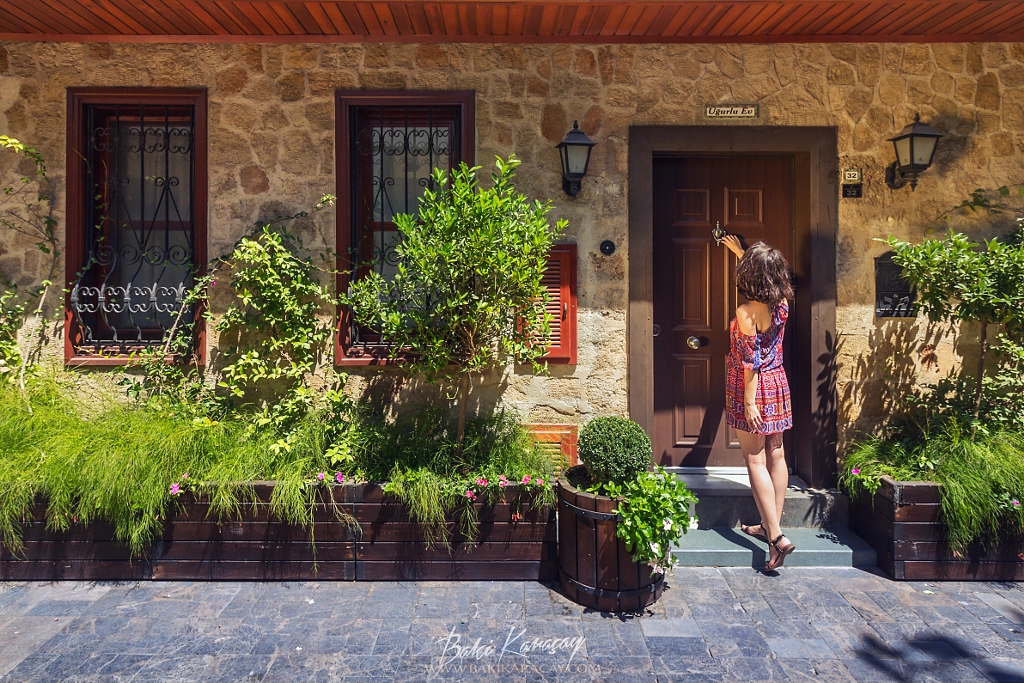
x=731, y=111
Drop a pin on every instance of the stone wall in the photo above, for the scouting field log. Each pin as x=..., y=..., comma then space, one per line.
x=271, y=142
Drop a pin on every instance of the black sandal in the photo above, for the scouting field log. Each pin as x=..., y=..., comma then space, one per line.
x=782, y=553
x=763, y=536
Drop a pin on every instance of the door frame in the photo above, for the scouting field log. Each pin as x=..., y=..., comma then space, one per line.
x=814, y=151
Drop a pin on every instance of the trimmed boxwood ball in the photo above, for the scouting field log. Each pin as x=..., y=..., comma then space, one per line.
x=614, y=449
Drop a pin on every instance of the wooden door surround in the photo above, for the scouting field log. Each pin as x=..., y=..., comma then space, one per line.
x=815, y=164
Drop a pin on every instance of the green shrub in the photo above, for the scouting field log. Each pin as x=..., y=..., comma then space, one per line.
x=979, y=470
x=655, y=515
x=614, y=449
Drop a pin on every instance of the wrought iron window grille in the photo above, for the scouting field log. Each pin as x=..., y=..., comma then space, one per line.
x=139, y=227
x=395, y=150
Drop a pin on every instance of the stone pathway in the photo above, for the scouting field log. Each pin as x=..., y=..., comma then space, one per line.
x=712, y=624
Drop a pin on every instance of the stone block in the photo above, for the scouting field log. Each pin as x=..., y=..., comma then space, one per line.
x=232, y=80
x=987, y=94
x=254, y=180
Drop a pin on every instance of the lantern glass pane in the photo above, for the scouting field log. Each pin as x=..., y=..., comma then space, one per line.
x=903, y=151
x=924, y=147
x=577, y=158
x=562, y=155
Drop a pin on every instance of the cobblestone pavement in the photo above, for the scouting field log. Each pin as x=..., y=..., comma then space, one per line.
x=711, y=625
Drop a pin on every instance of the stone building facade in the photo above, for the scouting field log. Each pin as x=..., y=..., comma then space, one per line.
x=271, y=145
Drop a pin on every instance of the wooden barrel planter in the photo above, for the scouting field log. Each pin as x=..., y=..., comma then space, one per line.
x=901, y=521
x=594, y=567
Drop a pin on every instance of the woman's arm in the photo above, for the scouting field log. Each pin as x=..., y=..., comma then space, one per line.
x=750, y=409
x=748, y=327
x=733, y=244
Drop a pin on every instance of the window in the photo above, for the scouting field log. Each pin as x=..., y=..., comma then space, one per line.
x=388, y=145
x=136, y=218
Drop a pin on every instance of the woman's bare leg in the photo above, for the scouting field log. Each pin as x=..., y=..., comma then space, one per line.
x=761, y=485
x=777, y=470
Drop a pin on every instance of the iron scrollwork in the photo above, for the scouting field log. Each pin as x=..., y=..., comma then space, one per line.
x=395, y=152
x=140, y=233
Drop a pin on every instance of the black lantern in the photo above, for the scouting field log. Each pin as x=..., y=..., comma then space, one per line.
x=574, y=151
x=915, y=149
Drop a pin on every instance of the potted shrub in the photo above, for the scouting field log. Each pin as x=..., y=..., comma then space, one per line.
x=618, y=521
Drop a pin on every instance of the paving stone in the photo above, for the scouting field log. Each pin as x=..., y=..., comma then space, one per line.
x=1001, y=670
x=733, y=640
x=800, y=648
x=670, y=628
x=816, y=670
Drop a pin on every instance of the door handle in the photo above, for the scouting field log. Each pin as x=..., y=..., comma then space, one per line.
x=657, y=330
x=693, y=342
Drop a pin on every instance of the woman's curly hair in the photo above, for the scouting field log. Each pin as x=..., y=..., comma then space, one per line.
x=764, y=275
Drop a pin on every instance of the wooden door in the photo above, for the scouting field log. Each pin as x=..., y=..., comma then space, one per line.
x=695, y=294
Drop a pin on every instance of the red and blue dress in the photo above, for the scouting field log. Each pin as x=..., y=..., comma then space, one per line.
x=761, y=352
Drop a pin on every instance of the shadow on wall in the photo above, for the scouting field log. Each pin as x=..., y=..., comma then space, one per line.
x=389, y=392
x=887, y=372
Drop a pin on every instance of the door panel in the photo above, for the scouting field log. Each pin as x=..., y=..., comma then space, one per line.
x=695, y=293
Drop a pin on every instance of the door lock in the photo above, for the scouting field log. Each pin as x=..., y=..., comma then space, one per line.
x=657, y=330
x=693, y=342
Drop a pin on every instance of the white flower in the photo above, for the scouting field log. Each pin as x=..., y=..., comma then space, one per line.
x=666, y=523
x=693, y=522
x=656, y=549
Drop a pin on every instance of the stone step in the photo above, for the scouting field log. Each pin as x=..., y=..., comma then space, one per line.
x=726, y=501
x=728, y=547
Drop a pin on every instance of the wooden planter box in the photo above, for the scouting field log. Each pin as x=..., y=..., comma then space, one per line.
x=902, y=522
x=257, y=547
x=595, y=569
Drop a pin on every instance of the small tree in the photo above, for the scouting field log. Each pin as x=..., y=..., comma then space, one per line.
x=958, y=281
x=468, y=290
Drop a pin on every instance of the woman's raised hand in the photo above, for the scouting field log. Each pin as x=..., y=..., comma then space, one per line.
x=733, y=244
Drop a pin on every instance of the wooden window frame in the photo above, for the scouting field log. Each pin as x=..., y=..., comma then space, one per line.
x=74, y=253
x=345, y=353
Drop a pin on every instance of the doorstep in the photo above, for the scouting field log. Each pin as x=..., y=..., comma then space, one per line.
x=728, y=547
x=725, y=501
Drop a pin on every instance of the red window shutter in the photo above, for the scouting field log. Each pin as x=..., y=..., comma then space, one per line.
x=560, y=281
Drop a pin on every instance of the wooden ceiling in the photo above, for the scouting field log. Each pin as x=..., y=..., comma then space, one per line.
x=522, y=21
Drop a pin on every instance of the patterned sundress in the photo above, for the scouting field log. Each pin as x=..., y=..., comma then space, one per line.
x=761, y=352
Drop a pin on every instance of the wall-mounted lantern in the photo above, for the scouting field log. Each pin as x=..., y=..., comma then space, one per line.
x=574, y=151
x=915, y=149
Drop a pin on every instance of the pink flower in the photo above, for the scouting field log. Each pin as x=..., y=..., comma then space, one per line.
x=175, y=489
x=340, y=478
x=501, y=477
x=320, y=476
x=470, y=495
x=480, y=481
x=540, y=482
x=502, y=483
x=855, y=471
x=1016, y=503
x=526, y=479
x=185, y=476
x=213, y=283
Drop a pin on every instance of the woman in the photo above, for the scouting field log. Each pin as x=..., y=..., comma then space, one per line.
x=757, y=393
